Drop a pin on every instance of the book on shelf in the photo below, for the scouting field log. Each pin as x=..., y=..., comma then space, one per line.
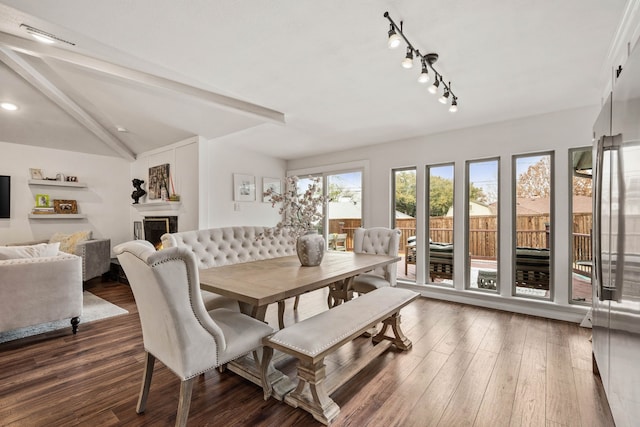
x=41, y=210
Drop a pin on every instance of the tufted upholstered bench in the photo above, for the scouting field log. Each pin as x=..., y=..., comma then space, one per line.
x=216, y=247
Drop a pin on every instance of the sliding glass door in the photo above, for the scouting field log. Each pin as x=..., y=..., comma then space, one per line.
x=344, y=209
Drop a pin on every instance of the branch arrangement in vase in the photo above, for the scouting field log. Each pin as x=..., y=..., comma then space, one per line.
x=301, y=212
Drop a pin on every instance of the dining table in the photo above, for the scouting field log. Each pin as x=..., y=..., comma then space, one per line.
x=257, y=284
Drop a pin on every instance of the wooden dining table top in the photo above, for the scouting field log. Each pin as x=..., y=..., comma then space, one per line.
x=263, y=282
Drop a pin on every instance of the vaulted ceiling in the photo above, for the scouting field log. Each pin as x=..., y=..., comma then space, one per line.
x=291, y=78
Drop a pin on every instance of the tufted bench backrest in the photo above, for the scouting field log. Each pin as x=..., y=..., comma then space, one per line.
x=216, y=247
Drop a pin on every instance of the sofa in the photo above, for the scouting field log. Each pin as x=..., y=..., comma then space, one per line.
x=216, y=247
x=94, y=253
x=40, y=289
x=532, y=268
x=440, y=259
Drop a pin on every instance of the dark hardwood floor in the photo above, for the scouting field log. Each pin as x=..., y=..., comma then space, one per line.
x=468, y=366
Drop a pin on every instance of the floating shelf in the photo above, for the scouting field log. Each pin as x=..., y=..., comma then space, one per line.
x=158, y=206
x=57, y=216
x=56, y=183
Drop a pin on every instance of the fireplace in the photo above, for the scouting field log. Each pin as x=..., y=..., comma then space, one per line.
x=156, y=226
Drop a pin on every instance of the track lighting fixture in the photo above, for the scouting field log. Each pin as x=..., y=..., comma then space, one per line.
x=395, y=39
x=407, y=62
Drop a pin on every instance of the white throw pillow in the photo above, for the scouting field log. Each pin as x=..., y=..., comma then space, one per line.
x=31, y=251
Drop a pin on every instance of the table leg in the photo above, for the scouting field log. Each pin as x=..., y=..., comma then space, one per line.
x=249, y=367
x=340, y=292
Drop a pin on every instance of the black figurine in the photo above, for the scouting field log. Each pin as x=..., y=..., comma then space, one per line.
x=139, y=191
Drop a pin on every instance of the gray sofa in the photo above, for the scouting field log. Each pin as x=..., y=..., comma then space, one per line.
x=95, y=255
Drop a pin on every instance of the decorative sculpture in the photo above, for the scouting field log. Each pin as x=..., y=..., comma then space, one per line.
x=139, y=191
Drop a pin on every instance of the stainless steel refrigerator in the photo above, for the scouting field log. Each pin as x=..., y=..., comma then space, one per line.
x=616, y=245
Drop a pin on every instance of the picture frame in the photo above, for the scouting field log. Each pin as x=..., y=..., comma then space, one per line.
x=158, y=181
x=274, y=184
x=137, y=230
x=244, y=188
x=36, y=173
x=42, y=200
x=65, y=206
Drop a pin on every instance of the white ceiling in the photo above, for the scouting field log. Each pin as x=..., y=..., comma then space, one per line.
x=323, y=64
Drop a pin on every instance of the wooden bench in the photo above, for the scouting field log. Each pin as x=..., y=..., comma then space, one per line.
x=312, y=339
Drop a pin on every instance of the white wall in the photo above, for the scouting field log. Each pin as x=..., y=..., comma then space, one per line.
x=203, y=176
x=555, y=132
x=223, y=159
x=107, y=179
x=184, y=170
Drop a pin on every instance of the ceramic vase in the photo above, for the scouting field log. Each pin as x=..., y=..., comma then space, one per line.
x=310, y=248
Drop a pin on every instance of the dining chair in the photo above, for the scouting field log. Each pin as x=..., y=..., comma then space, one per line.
x=176, y=327
x=380, y=241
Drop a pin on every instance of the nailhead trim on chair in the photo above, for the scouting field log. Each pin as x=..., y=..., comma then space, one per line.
x=194, y=314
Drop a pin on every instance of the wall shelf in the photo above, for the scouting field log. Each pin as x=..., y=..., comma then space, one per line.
x=56, y=183
x=158, y=206
x=57, y=216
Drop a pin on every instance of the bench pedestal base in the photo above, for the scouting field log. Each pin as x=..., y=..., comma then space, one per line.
x=316, y=400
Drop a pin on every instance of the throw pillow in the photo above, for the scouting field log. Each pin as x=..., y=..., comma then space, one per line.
x=68, y=242
x=31, y=251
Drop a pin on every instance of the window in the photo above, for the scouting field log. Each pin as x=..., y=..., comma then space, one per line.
x=481, y=215
x=533, y=223
x=404, y=218
x=581, y=211
x=440, y=202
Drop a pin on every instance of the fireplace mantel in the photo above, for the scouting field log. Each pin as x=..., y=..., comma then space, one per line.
x=157, y=206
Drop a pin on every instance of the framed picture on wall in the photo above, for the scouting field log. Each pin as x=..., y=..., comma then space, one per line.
x=244, y=188
x=273, y=185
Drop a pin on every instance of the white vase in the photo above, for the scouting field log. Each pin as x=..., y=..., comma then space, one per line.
x=310, y=248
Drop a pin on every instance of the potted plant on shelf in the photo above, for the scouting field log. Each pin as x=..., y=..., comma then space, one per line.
x=301, y=218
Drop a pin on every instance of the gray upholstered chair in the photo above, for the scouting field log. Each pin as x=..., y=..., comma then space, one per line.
x=176, y=327
x=381, y=241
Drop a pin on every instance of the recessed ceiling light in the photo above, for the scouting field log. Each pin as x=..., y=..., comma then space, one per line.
x=121, y=129
x=43, y=36
x=8, y=106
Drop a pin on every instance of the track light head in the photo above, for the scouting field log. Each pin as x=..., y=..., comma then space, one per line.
x=407, y=62
x=424, y=75
x=454, y=105
x=394, y=39
x=445, y=96
x=433, y=89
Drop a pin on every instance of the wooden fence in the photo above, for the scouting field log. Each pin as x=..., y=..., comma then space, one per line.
x=532, y=231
